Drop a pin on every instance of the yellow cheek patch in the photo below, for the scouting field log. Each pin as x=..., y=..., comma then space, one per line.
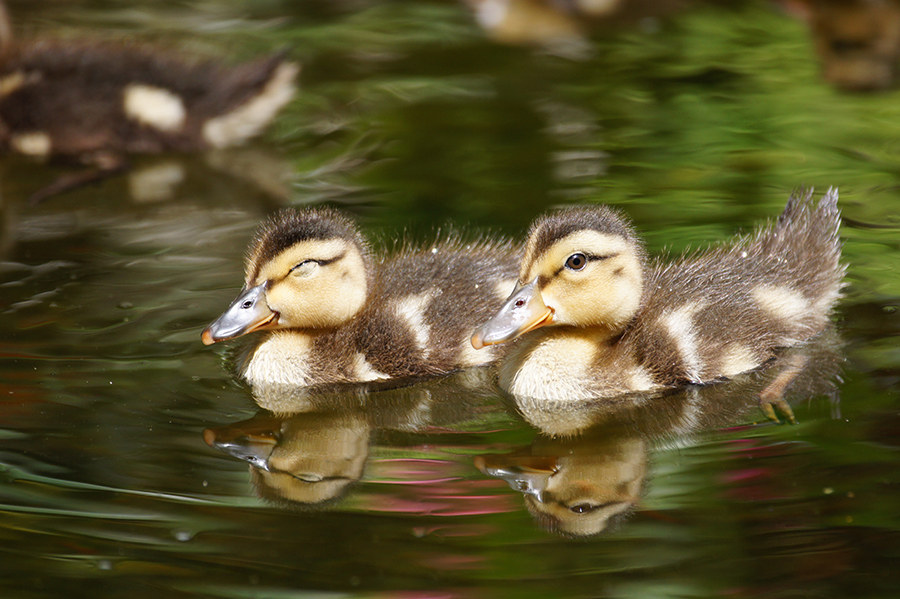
x=331, y=293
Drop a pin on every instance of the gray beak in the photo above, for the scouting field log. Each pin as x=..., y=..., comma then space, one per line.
x=522, y=312
x=248, y=312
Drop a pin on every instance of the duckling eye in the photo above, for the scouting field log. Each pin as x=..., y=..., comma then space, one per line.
x=304, y=268
x=576, y=261
x=584, y=508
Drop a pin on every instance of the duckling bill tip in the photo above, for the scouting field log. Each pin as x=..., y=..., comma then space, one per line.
x=477, y=340
x=207, y=337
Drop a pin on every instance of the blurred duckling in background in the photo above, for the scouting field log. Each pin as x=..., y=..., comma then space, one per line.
x=554, y=23
x=857, y=41
x=611, y=323
x=335, y=314
x=97, y=102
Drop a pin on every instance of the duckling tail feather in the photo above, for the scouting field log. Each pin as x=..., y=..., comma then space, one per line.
x=807, y=238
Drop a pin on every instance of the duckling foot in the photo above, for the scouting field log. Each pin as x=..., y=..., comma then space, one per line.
x=772, y=406
x=772, y=397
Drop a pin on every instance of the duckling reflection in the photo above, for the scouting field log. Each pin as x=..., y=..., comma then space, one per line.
x=306, y=449
x=308, y=458
x=580, y=486
x=589, y=466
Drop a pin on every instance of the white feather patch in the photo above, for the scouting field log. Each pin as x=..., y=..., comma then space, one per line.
x=679, y=324
x=411, y=309
x=11, y=83
x=640, y=380
x=32, y=144
x=249, y=118
x=155, y=107
x=491, y=13
x=363, y=371
x=781, y=302
x=736, y=359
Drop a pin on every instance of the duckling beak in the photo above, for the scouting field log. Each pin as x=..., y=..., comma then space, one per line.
x=523, y=311
x=252, y=448
x=248, y=312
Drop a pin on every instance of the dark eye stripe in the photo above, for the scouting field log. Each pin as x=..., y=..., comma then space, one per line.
x=588, y=257
x=322, y=262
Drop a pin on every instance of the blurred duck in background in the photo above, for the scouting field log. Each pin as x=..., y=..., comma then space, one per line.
x=95, y=102
x=560, y=22
x=857, y=41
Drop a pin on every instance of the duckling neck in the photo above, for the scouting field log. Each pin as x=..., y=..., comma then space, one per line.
x=293, y=357
x=281, y=357
x=566, y=363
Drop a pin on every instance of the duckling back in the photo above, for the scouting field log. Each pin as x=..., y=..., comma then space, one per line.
x=724, y=311
x=428, y=300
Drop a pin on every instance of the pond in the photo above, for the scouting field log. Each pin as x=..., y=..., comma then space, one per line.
x=133, y=461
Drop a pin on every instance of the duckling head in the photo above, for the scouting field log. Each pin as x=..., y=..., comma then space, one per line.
x=582, y=268
x=305, y=270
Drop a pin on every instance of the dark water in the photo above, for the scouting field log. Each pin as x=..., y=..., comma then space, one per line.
x=697, y=127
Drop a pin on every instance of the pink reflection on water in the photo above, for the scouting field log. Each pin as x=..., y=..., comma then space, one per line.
x=448, y=561
x=441, y=594
x=760, y=470
x=434, y=487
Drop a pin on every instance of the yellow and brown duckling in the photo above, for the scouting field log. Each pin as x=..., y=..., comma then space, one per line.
x=609, y=322
x=333, y=313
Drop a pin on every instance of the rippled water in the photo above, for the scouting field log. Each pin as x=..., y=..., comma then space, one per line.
x=133, y=462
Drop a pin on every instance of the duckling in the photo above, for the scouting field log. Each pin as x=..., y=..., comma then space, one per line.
x=610, y=322
x=82, y=99
x=333, y=313
x=97, y=102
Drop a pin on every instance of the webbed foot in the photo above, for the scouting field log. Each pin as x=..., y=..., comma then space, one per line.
x=771, y=406
x=771, y=399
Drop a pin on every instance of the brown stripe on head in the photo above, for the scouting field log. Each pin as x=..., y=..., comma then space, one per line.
x=552, y=227
x=291, y=226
